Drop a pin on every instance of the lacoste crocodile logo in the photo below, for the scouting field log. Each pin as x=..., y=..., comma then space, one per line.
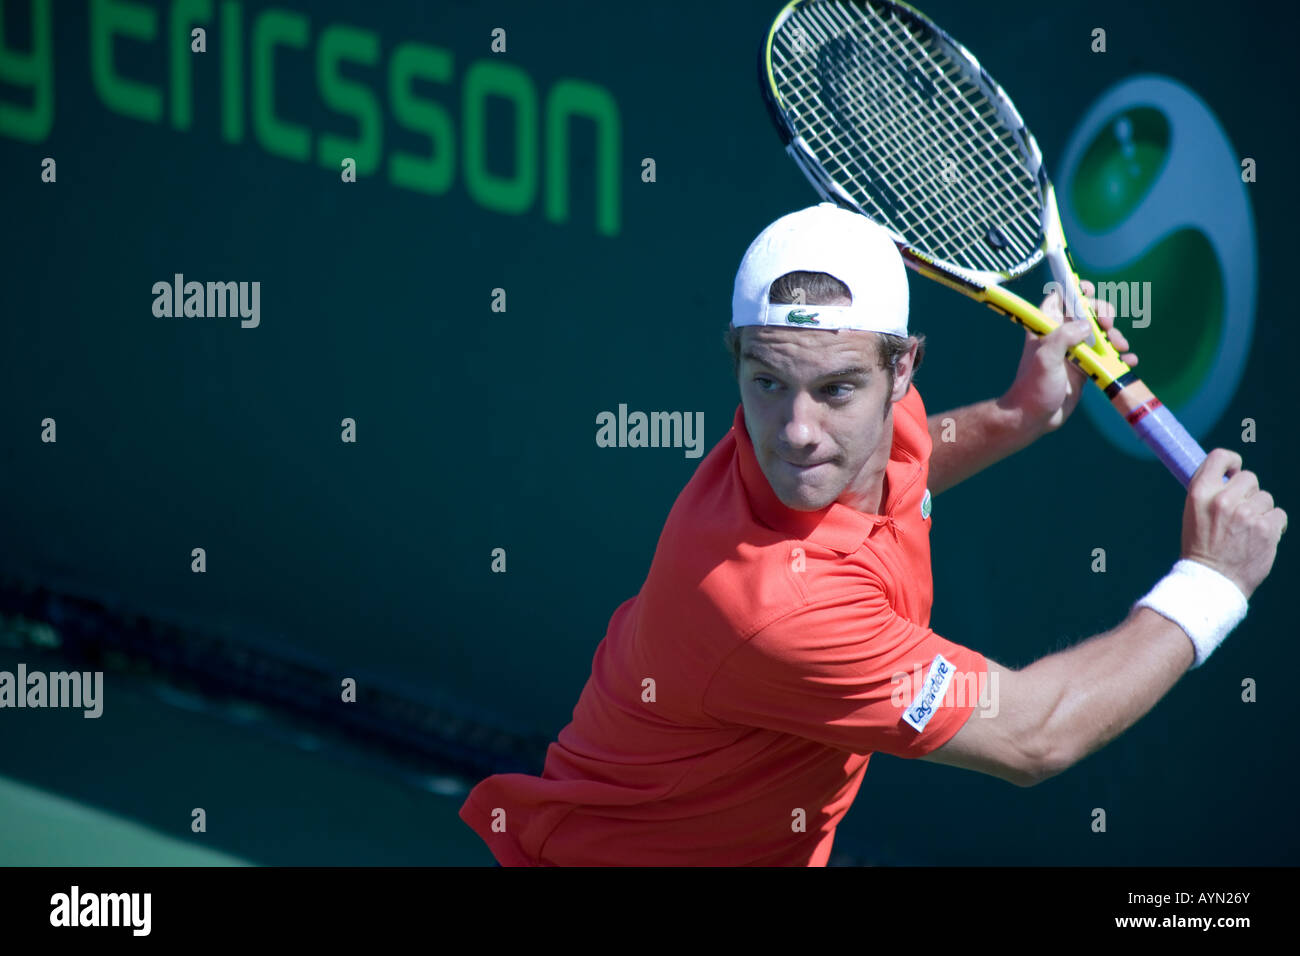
x=800, y=317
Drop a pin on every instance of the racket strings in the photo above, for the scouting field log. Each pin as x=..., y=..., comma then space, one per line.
x=964, y=101
x=851, y=83
x=908, y=133
x=967, y=205
x=898, y=145
x=913, y=172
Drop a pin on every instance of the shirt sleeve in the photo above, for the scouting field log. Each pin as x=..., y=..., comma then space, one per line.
x=857, y=677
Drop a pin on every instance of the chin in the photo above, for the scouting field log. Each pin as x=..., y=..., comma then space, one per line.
x=806, y=499
x=802, y=493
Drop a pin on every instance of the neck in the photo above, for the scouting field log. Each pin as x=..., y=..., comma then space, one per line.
x=868, y=496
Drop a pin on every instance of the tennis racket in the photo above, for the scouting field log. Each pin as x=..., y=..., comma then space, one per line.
x=890, y=117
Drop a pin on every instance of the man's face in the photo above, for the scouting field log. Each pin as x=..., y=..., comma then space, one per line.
x=819, y=411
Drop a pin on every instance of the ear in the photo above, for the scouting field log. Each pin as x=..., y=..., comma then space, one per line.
x=903, y=372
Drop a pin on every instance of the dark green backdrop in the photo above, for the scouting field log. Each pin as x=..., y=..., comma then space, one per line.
x=476, y=428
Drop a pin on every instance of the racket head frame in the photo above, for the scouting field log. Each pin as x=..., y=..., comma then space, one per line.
x=1156, y=425
x=1099, y=361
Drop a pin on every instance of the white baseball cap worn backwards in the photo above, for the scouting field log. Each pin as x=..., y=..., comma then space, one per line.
x=824, y=238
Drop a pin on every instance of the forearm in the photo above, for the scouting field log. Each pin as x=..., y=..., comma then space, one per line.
x=967, y=440
x=1089, y=694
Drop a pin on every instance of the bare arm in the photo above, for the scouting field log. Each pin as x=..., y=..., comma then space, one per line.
x=967, y=440
x=1045, y=391
x=1050, y=715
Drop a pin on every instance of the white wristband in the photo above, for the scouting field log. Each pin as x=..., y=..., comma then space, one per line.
x=1201, y=601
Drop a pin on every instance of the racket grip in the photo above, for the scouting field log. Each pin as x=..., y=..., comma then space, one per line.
x=1163, y=434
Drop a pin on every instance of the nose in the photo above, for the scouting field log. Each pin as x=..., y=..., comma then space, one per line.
x=802, y=427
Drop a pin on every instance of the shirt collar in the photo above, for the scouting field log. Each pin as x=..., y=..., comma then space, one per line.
x=836, y=526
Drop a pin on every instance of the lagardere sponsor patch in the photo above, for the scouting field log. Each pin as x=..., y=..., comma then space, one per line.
x=922, y=708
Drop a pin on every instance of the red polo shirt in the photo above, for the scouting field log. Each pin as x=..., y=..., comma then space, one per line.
x=735, y=701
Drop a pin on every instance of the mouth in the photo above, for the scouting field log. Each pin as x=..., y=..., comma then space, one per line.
x=807, y=466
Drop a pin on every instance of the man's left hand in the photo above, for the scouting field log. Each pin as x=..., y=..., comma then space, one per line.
x=1047, y=385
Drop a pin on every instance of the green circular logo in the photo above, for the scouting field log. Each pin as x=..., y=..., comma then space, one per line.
x=1156, y=214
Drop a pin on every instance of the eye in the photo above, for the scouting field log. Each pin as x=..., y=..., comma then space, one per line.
x=762, y=382
x=844, y=394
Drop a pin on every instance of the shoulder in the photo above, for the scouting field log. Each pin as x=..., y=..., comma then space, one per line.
x=911, y=430
x=912, y=405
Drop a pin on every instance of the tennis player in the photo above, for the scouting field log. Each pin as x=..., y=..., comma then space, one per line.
x=781, y=636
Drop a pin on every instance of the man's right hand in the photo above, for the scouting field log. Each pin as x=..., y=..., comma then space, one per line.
x=1231, y=526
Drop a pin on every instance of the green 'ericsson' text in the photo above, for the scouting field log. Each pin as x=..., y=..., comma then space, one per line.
x=246, y=55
